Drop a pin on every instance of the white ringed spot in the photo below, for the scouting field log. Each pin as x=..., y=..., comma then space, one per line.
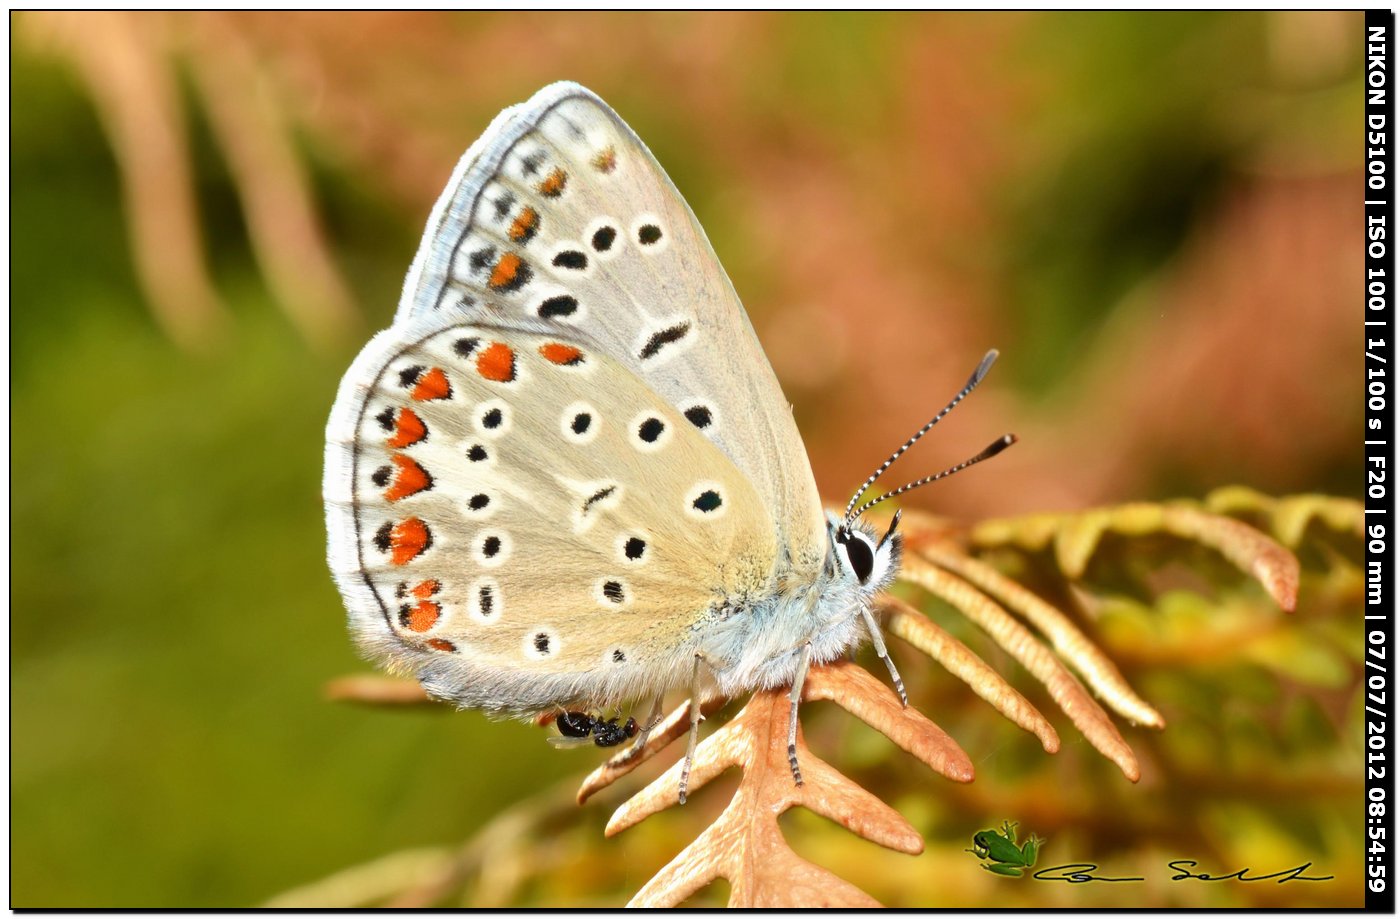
x=702, y=414
x=491, y=548
x=484, y=603
x=481, y=503
x=705, y=501
x=580, y=423
x=650, y=234
x=612, y=593
x=633, y=548
x=492, y=418
x=571, y=260
x=649, y=431
x=540, y=643
x=480, y=455
x=604, y=238
x=557, y=305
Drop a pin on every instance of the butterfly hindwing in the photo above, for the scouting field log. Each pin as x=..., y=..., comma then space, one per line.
x=521, y=521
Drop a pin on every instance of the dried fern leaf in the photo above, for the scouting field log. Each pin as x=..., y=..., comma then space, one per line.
x=907, y=623
x=870, y=700
x=1289, y=516
x=1068, y=641
x=763, y=872
x=745, y=845
x=1067, y=692
x=1076, y=536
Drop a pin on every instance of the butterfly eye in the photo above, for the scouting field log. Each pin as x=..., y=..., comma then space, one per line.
x=859, y=553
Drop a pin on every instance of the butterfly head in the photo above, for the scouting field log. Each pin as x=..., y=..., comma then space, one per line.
x=873, y=560
x=863, y=554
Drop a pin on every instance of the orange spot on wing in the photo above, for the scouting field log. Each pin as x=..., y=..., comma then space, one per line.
x=424, y=615
x=408, y=540
x=553, y=184
x=426, y=589
x=408, y=429
x=441, y=644
x=503, y=275
x=556, y=353
x=497, y=363
x=410, y=479
x=432, y=385
x=523, y=228
x=605, y=160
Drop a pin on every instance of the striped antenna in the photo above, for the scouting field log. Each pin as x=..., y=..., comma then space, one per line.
x=972, y=382
x=992, y=450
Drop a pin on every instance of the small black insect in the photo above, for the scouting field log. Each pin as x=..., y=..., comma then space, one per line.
x=578, y=725
x=575, y=724
x=610, y=733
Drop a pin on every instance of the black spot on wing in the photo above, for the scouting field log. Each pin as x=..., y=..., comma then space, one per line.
x=603, y=238
x=597, y=496
x=663, y=338
x=482, y=259
x=554, y=307
x=572, y=259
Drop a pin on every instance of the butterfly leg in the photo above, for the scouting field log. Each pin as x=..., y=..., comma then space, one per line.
x=879, y=641
x=632, y=752
x=804, y=658
x=695, y=718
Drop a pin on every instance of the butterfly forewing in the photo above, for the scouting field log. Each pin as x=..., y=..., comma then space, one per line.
x=526, y=511
x=561, y=215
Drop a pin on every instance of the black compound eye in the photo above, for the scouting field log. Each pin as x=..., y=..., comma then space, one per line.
x=858, y=553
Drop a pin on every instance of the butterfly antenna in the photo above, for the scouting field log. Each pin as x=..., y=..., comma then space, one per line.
x=977, y=375
x=995, y=447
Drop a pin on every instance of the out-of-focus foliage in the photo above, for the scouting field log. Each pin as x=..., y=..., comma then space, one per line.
x=1121, y=202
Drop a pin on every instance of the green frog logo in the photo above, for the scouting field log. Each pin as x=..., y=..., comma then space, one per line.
x=1001, y=853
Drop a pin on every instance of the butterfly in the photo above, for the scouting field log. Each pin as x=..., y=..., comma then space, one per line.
x=566, y=477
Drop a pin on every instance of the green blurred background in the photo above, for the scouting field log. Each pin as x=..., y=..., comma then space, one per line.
x=1156, y=217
